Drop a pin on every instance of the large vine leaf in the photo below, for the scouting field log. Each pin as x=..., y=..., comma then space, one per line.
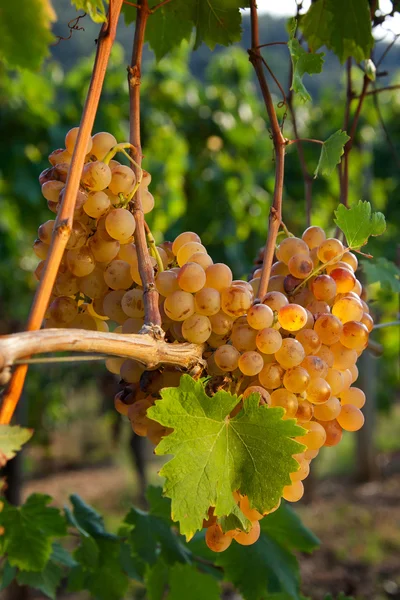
x=215, y=22
x=30, y=530
x=384, y=272
x=342, y=26
x=25, y=33
x=185, y=581
x=214, y=455
x=86, y=519
x=268, y=566
x=331, y=151
x=359, y=222
x=47, y=580
x=12, y=438
x=303, y=62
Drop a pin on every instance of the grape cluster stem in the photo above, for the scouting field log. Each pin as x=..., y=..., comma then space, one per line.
x=62, y=229
x=279, y=141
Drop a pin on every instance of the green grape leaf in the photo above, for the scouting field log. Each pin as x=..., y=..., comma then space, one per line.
x=94, y=8
x=287, y=529
x=343, y=27
x=331, y=152
x=384, y=272
x=7, y=575
x=12, y=438
x=87, y=553
x=156, y=579
x=86, y=519
x=131, y=564
x=251, y=452
x=61, y=556
x=107, y=581
x=186, y=581
x=236, y=520
x=46, y=581
x=303, y=62
x=25, y=33
x=218, y=22
x=29, y=532
x=359, y=222
x=159, y=505
x=150, y=532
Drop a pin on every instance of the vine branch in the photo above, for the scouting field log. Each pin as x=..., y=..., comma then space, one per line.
x=64, y=220
x=275, y=214
x=152, y=318
x=141, y=347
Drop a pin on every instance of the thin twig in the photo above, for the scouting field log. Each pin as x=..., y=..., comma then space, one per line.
x=131, y=4
x=159, y=5
x=376, y=91
x=387, y=49
x=73, y=26
x=272, y=44
x=343, y=168
x=270, y=71
x=141, y=347
x=279, y=142
x=152, y=318
x=297, y=140
x=64, y=220
x=385, y=129
x=389, y=324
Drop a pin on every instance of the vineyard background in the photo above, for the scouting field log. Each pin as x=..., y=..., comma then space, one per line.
x=205, y=141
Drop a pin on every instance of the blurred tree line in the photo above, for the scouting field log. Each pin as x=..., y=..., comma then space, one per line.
x=207, y=146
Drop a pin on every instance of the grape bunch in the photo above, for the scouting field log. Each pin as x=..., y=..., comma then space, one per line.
x=296, y=347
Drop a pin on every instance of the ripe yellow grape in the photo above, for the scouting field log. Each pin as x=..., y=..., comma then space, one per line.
x=123, y=180
x=93, y=285
x=350, y=418
x=120, y=224
x=117, y=275
x=275, y=300
x=147, y=202
x=304, y=297
x=315, y=437
x=324, y=288
x=265, y=397
x=310, y=341
x=70, y=140
x=347, y=376
x=333, y=431
x=304, y=470
x=138, y=417
x=327, y=411
x=310, y=454
x=318, y=307
x=305, y=411
x=336, y=381
x=96, y=176
x=250, y=363
x=290, y=354
x=260, y=316
x=97, y=204
x=268, y=340
x=227, y=358
x=353, y=396
x=329, y=250
x=218, y=276
x=78, y=236
x=112, y=306
x=191, y=277
x=113, y=364
x=247, y=539
x=102, y=250
x=329, y=328
x=202, y=259
x=132, y=325
x=286, y=400
x=216, y=539
x=368, y=321
x=289, y=247
x=344, y=280
x=296, y=380
x=51, y=189
x=277, y=284
x=221, y=323
x=235, y=301
x=315, y=366
x=343, y=357
x=271, y=375
x=293, y=492
x=45, y=231
x=131, y=371
x=207, y=301
x=59, y=156
x=166, y=283
x=186, y=251
x=300, y=266
x=318, y=391
x=250, y=513
x=350, y=259
x=133, y=304
x=196, y=329
x=326, y=355
x=65, y=284
x=63, y=310
x=184, y=238
x=179, y=305
x=348, y=309
x=278, y=268
x=40, y=249
x=102, y=144
x=243, y=337
x=80, y=261
x=354, y=335
x=313, y=236
x=354, y=374
x=340, y=264
x=292, y=317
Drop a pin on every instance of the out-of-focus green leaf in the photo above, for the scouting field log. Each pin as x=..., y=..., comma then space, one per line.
x=359, y=222
x=331, y=152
